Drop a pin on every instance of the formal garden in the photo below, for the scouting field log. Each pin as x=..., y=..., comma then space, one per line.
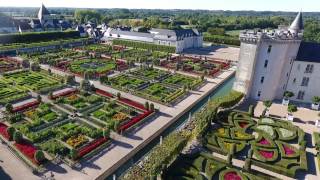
x=8, y=64
x=271, y=144
x=204, y=166
x=9, y=93
x=154, y=84
x=208, y=67
x=38, y=81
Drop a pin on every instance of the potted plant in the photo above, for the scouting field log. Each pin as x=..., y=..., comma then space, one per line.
x=267, y=105
x=286, y=97
x=291, y=109
x=315, y=102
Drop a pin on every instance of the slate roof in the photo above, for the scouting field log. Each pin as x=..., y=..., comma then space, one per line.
x=297, y=24
x=309, y=52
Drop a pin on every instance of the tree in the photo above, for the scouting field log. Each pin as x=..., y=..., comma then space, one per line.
x=151, y=107
x=74, y=154
x=39, y=156
x=288, y=94
x=106, y=132
x=216, y=31
x=251, y=110
x=9, y=108
x=146, y=105
x=267, y=104
x=35, y=67
x=118, y=95
x=316, y=100
x=70, y=79
x=17, y=137
x=292, y=108
x=25, y=64
x=116, y=125
x=39, y=98
x=11, y=130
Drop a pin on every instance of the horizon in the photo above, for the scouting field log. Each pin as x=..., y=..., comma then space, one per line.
x=227, y=5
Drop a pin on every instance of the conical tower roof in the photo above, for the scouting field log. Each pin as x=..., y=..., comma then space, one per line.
x=297, y=24
x=43, y=11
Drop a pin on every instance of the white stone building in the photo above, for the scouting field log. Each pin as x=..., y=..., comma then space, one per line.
x=181, y=39
x=272, y=62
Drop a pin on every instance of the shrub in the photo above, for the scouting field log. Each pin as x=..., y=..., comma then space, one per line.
x=17, y=137
x=37, y=36
x=292, y=108
x=222, y=39
x=74, y=154
x=151, y=107
x=143, y=45
x=251, y=110
x=247, y=164
x=39, y=156
x=288, y=94
x=146, y=105
x=11, y=131
x=267, y=104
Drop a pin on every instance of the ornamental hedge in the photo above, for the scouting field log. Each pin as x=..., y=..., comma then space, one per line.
x=222, y=40
x=37, y=36
x=161, y=156
x=143, y=45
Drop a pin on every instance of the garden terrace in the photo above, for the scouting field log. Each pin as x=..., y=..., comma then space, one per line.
x=32, y=80
x=55, y=57
x=98, y=49
x=9, y=93
x=8, y=64
x=118, y=114
x=275, y=145
x=140, y=55
x=79, y=102
x=161, y=93
x=128, y=82
x=96, y=67
x=205, y=166
x=49, y=129
x=198, y=66
x=37, y=45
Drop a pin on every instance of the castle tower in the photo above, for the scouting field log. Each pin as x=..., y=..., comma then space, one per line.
x=265, y=60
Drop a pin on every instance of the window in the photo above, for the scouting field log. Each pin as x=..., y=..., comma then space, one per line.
x=259, y=93
x=294, y=80
x=309, y=68
x=262, y=79
x=298, y=67
x=300, y=95
x=265, y=63
x=305, y=81
x=269, y=48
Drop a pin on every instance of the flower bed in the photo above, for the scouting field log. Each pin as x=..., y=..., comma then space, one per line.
x=26, y=106
x=263, y=141
x=132, y=103
x=104, y=93
x=134, y=121
x=266, y=154
x=91, y=146
x=62, y=94
x=3, y=130
x=27, y=149
x=232, y=176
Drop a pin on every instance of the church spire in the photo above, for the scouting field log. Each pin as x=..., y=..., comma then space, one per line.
x=297, y=24
x=43, y=11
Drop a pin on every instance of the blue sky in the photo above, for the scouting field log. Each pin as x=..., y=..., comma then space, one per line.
x=272, y=5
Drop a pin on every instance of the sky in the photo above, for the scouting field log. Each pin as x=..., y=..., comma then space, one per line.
x=258, y=5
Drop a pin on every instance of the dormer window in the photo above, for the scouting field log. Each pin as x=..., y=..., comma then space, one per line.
x=269, y=48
